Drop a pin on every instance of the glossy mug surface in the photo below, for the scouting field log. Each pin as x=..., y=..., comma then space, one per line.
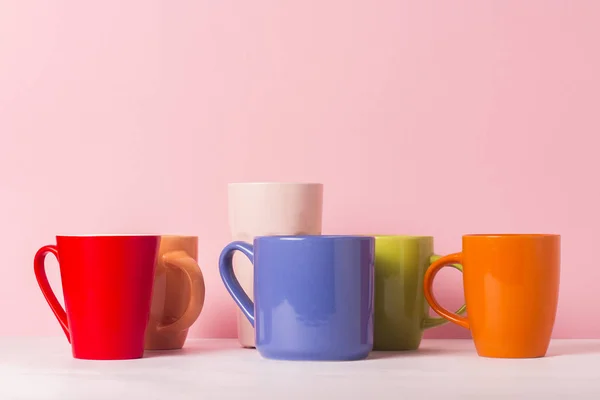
x=401, y=310
x=269, y=208
x=511, y=284
x=313, y=295
x=107, y=284
x=178, y=293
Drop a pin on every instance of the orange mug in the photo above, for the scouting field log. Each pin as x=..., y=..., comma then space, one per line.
x=511, y=291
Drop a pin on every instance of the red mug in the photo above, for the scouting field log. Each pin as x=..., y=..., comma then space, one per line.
x=107, y=284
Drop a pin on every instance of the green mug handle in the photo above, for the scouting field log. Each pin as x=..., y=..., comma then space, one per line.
x=431, y=322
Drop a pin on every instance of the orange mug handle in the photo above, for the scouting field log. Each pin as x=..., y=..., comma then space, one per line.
x=42, y=280
x=182, y=261
x=432, y=271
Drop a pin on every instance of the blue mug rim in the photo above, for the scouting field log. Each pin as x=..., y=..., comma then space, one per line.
x=314, y=237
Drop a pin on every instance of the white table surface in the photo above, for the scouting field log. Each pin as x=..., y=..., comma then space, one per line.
x=43, y=368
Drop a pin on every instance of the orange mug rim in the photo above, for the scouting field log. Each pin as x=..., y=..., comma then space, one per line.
x=512, y=235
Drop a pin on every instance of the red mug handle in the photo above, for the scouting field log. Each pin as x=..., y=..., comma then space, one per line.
x=42, y=279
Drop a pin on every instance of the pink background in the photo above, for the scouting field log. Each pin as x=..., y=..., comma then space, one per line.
x=421, y=117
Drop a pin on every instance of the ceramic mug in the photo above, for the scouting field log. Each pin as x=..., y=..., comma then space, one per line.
x=178, y=294
x=269, y=208
x=313, y=295
x=401, y=311
x=511, y=286
x=107, y=284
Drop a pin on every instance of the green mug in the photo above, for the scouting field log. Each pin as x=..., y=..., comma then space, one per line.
x=401, y=310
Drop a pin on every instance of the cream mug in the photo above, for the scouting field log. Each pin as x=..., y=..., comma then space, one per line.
x=264, y=209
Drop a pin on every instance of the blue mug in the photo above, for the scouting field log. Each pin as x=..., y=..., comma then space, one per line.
x=313, y=295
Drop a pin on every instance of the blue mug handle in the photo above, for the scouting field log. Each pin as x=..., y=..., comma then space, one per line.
x=231, y=282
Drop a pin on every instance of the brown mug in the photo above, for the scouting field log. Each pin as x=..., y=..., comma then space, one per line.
x=177, y=295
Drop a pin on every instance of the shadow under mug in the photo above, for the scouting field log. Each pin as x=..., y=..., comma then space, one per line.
x=511, y=284
x=313, y=295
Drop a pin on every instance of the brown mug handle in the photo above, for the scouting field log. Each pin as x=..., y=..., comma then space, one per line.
x=182, y=261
